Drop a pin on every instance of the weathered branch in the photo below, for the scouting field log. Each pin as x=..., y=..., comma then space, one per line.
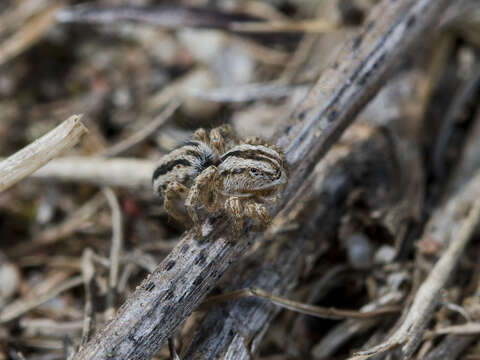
x=41, y=151
x=163, y=301
x=127, y=172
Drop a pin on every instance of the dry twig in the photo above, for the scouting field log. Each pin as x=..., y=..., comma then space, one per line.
x=115, y=249
x=249, y=92
x=19, y=307
x=302, y=308
x=88, y=272
x=30, y=32
x=125, y=172
x=174, y=17
x=26, y=161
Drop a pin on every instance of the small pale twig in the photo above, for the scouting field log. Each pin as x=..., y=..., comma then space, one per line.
x=339, y=335
x=50, y=327
x=470, y=328
x=174, y=17
x=249, y=92
x=115, y=249
x=167, y=16
x=458, y=309
x=29, y=33
x=128, y=269
x=142, y=260
x=307, y=26
x=44, y=344
x=130, y=173
x=18, y=13
x=30, y=158
x=88, y=271
x=312, y=310
x=300, y=56
x=20, y=307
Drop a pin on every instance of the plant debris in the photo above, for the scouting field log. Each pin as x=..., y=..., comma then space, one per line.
x=373, y=252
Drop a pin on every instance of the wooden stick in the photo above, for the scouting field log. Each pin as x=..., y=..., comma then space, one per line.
x=126, y=172
x=30, y=32
x=30, y=158
x=115, y=249
x=20, y=307
x=302, y=308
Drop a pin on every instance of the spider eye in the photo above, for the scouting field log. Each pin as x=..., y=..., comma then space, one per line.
x=253, y=171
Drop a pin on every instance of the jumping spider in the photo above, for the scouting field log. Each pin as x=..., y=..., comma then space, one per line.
x=214, y=172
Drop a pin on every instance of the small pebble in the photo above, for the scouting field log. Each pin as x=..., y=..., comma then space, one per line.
x=9, y=280
x=359, y=251
x=385, y=254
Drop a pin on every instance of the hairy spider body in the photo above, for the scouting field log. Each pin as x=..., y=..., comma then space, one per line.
x=214, y=172
x=252, y=170
x=248, y=177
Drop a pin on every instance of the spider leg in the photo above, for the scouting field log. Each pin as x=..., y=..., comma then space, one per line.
x=258, y=211
x=234, y=209
x=254, y=140
x=201, y=135
x=199, y=194
x=223, y=138
x=217, y=141
x=174, y=192
x=270, y=199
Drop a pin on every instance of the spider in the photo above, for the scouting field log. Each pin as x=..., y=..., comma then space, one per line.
x=248, y=177
x=214, y=172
